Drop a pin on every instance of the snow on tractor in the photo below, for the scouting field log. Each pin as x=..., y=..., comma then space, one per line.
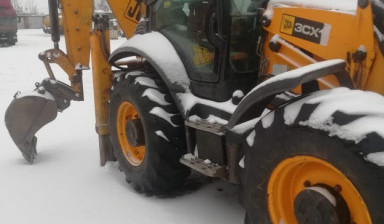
x=281, y=97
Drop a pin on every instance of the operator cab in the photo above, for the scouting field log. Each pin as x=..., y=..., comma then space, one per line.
x=216, y=40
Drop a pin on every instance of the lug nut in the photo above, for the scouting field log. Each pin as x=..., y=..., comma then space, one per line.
x=337, y=188
x=41, y=90
x=265, y=21
x=307, y=183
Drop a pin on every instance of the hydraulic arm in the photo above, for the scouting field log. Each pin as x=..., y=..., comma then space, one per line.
x=29, y=112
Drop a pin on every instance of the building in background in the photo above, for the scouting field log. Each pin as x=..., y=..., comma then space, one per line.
x=26, y=21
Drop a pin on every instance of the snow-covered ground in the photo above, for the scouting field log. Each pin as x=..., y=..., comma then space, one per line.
x=66, y=184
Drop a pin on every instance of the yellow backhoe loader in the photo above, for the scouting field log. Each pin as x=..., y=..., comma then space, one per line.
x=282, y=97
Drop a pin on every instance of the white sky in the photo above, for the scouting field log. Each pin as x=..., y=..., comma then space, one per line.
x=42, y=5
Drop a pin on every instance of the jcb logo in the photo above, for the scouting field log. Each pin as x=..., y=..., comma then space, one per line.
x=307, y=30
x=287, y=24
x=133, y=11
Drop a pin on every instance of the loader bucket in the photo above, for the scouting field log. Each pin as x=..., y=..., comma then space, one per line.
x=26, y=114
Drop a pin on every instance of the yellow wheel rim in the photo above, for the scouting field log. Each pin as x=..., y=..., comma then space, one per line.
x=126, y=112
x=289, y=178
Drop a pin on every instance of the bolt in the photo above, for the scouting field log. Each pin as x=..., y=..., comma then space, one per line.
x=79, y=48
x=77, y=28
x=76, y=11
x=41, y=91
x=359, y=55
x=266, y=21
x=307, y=183
x=337, y=188
x=274, y=46
x=349, y=57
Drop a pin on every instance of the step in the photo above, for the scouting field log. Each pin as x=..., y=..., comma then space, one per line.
x=204, y=166
x=205, y=126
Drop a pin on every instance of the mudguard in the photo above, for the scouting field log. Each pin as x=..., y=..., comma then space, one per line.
x=161, y=54
x=253, y=104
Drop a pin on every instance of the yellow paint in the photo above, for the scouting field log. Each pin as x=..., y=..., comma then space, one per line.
x=287, y=181
x=77, y=19
x=375, y=80
x=167, y=4
x=201, y=56
x=126, y=112
x=128, y=14
x=287, y=24
x=102, y=78
x=347, y=33
x=102, y=82
x=58, y=57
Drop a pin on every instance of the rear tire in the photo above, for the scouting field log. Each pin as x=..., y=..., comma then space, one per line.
x=279, y=157
x=158, y=170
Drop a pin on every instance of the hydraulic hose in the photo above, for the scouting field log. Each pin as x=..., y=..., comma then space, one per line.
x=54, y=18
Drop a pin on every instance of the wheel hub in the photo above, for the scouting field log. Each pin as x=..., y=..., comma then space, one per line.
x=321, y=204
x=316, y=205
x=292, y=198
x=130, y=133
x=134, y=133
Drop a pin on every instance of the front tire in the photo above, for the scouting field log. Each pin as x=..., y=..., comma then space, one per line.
x=147, y=134
x=297, y=174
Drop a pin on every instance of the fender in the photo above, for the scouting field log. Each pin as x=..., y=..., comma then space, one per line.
x=161, y=54
x=253, y=104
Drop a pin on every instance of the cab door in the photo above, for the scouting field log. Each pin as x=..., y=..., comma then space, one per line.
x=193, y=27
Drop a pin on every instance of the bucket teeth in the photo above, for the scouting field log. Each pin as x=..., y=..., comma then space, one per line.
x=28, y=150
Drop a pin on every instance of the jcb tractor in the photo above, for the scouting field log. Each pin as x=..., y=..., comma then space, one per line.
x=283, y=97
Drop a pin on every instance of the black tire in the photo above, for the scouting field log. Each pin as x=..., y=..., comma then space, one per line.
x=160, y=172
x=279, y=141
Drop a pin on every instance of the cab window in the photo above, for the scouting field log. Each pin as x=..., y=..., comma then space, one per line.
x=244, y=35
x=186, y=24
